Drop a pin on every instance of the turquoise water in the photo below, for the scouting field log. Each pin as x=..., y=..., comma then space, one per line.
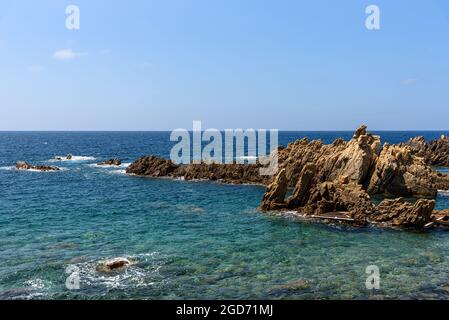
x=190, y=240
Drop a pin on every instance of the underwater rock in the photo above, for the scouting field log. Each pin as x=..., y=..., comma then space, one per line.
x=111, y=162
x=113, y=264
x=23, y=165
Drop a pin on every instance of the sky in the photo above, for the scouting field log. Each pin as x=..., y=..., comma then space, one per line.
x=274, y=64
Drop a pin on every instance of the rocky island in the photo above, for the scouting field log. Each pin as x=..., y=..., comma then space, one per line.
x=336, y=182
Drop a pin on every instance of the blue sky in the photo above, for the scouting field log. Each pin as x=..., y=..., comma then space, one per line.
x=159, y=65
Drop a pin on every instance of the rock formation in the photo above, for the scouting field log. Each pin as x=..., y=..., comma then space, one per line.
x=435, y=153
x=22, y=165
x=111, y=162
x=152, y=166
x=340, y=177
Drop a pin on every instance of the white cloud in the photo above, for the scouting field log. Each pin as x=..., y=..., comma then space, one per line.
x=409, y=82
x=67, y=54
x=35, y=69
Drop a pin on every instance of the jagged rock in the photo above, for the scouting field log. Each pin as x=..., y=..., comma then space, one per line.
x=111, y=162
x=113, y=264
x=301, y=191
x=23, y=165
x=435, y=153
x=275, y=195
x=401, y=213
x=339, y=196
x=398, y=172
x=69, y=157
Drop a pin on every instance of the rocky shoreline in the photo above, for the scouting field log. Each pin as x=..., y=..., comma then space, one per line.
x=336, y=181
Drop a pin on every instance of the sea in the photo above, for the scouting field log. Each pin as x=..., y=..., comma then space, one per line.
x=187, y=239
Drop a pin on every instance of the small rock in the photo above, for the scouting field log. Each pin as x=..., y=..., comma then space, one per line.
x=113, y=264
x=111, y=162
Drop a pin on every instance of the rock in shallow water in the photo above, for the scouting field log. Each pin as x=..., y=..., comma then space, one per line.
x=111, y=162
x=113, y=264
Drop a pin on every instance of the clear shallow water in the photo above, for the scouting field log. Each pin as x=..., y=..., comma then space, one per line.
x=189, y=239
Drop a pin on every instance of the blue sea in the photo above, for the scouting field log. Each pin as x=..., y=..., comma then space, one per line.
x=188, y=240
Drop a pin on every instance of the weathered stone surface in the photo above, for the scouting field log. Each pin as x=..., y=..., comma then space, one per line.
x=398, y=172
x=275, y=195
x=401, y=213
x=111, y=162
x=22, y=165
x=301, y=192
x=435, y=153
x=338, y=196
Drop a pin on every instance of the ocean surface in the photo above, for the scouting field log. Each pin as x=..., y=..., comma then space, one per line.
x=188, y=240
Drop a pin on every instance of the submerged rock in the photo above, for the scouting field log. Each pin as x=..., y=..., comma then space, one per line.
x=111, y=162
x=113, y=264
x=23, y=165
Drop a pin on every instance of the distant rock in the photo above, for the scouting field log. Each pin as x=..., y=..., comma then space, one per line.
x=68, y=157
x=22, y=165
x=113, y=264
x=151, y=166
x=111, y=162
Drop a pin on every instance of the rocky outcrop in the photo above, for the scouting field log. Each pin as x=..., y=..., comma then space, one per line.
x=398, y=172
x=275, y=194
x=152, y=166
x=22, y=165
x=435, y=153
x=401, y=213
x=340, y=177
x=111, y=162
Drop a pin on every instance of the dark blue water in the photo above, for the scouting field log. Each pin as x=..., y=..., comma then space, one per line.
x=187, y=239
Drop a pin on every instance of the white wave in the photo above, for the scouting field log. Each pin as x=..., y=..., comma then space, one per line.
x=106, y=166
x=13, y=168
x=443, y=193
x=143, y=269
x=73, y=159
x=121, y=171
x=8, y=168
